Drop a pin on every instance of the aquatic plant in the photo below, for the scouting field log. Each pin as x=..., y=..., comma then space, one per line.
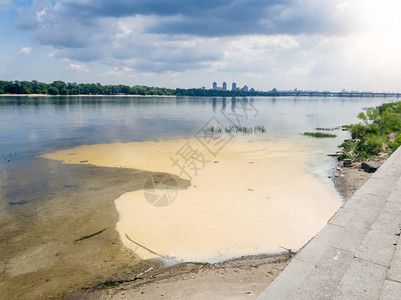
x=327, y=129
x=235, y=129
x=320, y=135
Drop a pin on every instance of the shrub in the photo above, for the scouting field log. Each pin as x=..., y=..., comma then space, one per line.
x=348, y=146
x=394, y=146
x=358, y=131
x=344, y=155
x=368, y=147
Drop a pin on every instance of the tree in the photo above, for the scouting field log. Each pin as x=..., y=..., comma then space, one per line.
x=53, y=90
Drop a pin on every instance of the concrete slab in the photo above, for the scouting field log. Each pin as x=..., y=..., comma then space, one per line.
x=378, y=247
x=395, y=267
x=391, y=290
x=362, y=280
x=288, y=282
x=352, y=236
x=369, y=211
x=395, y=195
x=356, y=202
x=386, y=171
x=377, y=187
x=389, y=219
x=342, y=217
x=316, y=248
x=324, y=279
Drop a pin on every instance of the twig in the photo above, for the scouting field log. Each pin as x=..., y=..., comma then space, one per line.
x=143, y=246
x=89, y=236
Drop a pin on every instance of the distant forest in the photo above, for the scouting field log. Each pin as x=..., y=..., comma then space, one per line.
x=62, y=88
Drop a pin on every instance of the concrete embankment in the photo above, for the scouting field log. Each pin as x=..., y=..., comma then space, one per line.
x=357, y=255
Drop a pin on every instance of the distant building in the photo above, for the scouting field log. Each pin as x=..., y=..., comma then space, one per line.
x=245, y=88
x=234, y=87
x=224, y=86
x=214, y=85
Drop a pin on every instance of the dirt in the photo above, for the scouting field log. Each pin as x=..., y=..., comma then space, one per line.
x=349, y=179
x=242, y=278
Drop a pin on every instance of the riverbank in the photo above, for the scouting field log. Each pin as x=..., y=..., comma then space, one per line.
x=86, y=96
x=240, y=278
x=349, y=179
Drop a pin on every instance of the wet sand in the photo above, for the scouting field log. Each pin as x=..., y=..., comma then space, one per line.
x=256, y=196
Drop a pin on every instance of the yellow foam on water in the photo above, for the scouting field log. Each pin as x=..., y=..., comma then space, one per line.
x=254, y=196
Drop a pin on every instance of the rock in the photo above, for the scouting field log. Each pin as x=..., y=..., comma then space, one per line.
x=370, y=166
x=391, y=137
x=347, y=162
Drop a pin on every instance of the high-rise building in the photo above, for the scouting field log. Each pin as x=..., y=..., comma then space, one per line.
x=214, y=85
x=245, y=88
x=234, y=87
x=224, y=86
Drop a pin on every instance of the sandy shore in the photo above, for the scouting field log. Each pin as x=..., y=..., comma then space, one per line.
x=242, y=278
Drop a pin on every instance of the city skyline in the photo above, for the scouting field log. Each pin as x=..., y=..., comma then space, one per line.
x=234, y=87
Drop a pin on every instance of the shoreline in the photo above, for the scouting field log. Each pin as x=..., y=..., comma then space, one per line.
x=84, y=95
x=243, y=278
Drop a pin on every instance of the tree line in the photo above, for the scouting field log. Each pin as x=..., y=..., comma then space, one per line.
x=62, y=88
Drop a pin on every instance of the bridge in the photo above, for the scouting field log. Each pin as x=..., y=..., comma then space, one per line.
x=333, y=94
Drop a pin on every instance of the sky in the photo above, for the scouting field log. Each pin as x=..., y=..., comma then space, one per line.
x=265, y=44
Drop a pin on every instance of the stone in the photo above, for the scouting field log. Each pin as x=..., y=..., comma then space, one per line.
x=391, y=137
x=347, y=162
x=370, y=166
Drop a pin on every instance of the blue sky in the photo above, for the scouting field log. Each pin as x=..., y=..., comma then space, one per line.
x=304, y=44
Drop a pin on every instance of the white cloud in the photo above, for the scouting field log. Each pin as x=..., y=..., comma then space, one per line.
x=120, y=71
x=6, y=4
x=25, y=50
x=77, y=67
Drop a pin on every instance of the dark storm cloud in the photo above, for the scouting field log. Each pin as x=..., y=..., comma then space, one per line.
x=219, y=18
x=156, y=29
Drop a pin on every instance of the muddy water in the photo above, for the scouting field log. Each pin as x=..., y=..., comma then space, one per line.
x=39, y=255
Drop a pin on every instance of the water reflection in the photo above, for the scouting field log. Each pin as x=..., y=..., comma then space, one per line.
x=31, y=125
